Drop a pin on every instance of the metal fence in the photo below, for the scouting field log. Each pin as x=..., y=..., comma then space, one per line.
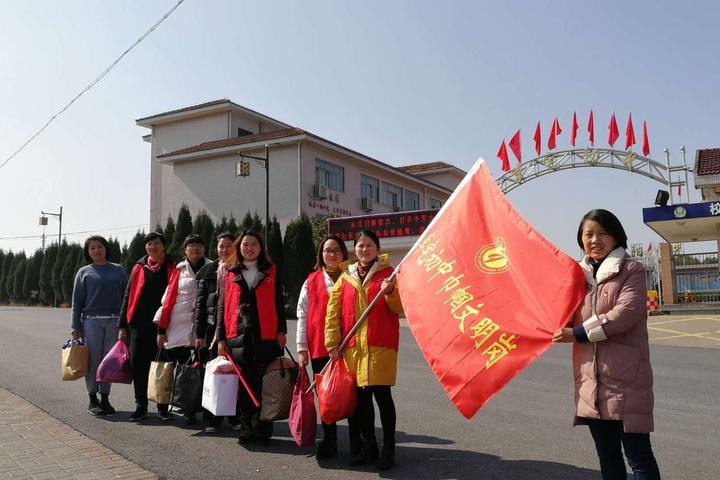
x=697, y=277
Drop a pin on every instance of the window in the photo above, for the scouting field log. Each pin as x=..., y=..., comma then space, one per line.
x=391, y=195
x=369, y=187
x=244, y=133
x=435, y=203
x=329, y=175
x=411, y=200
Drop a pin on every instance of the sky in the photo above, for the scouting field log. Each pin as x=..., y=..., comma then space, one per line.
x=402, y=81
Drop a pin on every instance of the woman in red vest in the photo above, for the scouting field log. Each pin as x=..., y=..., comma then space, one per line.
x=372, y=352
x=311, y=311
x=253, y=328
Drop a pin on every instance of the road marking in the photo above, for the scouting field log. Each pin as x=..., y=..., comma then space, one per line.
x=681, y=334
x=685, y=320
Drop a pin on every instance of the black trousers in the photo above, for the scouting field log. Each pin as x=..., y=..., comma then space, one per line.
x=248, y=413
x=329, y=429
x=143, y=349
x=364, y=416
x=610, y=440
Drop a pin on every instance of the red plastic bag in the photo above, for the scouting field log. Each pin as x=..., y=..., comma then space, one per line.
x=115, y=367
x=336, y=392
x=303, y=420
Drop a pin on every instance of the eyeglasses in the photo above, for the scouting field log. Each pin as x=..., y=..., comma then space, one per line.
x=332, y=252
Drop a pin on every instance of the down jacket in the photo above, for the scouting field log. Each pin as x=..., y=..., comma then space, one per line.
x=613, y=377
x=372, y=365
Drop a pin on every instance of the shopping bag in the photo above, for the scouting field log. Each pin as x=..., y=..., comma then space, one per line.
x=160, y=380
x=115, y=367
x=277, y=388
x=219, y=390
x=188, y=385
x=336, y=392
x=303, y=419
x=74, y=359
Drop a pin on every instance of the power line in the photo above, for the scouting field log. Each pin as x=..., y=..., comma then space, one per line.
x=92, y=84
x=24, y=237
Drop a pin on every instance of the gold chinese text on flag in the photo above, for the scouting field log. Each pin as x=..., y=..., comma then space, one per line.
x=483, y=292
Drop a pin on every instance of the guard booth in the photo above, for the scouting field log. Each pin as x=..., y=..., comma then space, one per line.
x=691, y=279
x=397, y=231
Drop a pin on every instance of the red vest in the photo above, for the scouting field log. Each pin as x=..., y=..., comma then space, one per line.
x=137, y=280
x=265, y=299
x=170, y=297
x=383, y=325
x=317, y=308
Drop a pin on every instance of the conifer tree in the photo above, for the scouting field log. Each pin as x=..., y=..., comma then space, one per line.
x=220, y=227
x=232, y=225
x=47, y=293
x=135, y=251
x=183, y=228
x=7, y=273
x=2, y=265
x=275, y=244
x=115, y=253
x=203, y=226
x=15, y=282
x=169, y=231
x=67, y=273
x=56, y=271
x=299, y=251
x=31, y=283
x=247, y=222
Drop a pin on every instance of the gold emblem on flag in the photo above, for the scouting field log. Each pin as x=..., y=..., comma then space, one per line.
x=493, y=258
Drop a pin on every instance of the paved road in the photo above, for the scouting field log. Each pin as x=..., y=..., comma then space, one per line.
x=525, y=432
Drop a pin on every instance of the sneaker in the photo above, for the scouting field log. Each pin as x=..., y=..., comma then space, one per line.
x=368, y=454
x=94, y=406
x=164, y=415
x=139, y=414
x=189, y=419
x=234, y=423
x=105, y=405
x=210, y=429
x=326, y=449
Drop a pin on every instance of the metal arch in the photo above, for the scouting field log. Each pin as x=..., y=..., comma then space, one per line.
x=585, y=157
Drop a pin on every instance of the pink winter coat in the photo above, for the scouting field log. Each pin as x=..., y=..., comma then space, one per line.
x=613, y=377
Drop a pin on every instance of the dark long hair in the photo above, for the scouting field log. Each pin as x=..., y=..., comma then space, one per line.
x=236, y=258
x=608, y=222
x=320, y=264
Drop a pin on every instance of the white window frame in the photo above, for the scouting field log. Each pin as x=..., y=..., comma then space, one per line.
x=329, y=175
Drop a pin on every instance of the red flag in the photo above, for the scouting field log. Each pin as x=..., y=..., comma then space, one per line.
x=591, y=129
x=573, y=130
x=613, y=132
x=629, y=133
x=483, y=292
x=515, y=146
x=555, y=130
x=538, y=138
x=502, y=155
x=646, y=142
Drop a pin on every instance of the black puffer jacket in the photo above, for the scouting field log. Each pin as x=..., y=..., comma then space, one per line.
x=205, y=316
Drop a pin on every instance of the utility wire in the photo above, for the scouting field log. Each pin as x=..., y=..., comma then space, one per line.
x=77, y=233
x=92, y=84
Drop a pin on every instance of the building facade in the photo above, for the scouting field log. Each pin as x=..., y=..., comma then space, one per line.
x=197, y=158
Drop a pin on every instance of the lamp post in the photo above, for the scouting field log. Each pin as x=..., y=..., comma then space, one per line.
x=43, y=221
x=242, y=169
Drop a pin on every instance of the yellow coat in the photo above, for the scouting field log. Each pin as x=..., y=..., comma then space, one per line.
x=371, y=364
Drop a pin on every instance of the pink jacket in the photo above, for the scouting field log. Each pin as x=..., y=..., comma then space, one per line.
x=613, y=377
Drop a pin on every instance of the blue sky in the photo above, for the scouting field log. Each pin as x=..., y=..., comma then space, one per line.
x=405, y=82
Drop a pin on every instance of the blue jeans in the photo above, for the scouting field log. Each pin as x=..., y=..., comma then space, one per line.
x=611, y=439
x=100, y=334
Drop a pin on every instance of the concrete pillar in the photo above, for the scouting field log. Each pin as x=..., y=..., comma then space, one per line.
x=667, y=274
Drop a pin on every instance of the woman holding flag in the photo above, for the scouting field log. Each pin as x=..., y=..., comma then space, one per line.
x=372, y=351
x=311, y=312
x=611, y=355
x=251, y=325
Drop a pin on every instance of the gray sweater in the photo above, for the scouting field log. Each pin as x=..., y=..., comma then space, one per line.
x=98, y=290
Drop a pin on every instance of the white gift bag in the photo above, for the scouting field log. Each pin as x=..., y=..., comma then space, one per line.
x=220, y=392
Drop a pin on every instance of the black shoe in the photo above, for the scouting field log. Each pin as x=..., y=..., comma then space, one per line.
x=163, y=413
x=232, y=421
x=189, y=419
x=139, y=414
x=355, y=447
x=105, y=405
x=326, y=449
x=94, y=406
x=368, y=453
x=387, y=458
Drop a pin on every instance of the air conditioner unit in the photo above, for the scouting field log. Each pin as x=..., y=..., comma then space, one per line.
x=367, y=203
x=319, y=191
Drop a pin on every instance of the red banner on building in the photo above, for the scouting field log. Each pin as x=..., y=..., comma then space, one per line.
x=483, y=292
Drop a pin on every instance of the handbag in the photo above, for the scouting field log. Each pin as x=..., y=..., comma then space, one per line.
x=74, y=359
x=277, y=388
x=115, y=367
x=188, y=385
x=303, y=419
x=220, y=387
x=160, y=380
x=336, y=391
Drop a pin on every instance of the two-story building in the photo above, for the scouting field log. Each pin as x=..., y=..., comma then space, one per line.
x=196, y=158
